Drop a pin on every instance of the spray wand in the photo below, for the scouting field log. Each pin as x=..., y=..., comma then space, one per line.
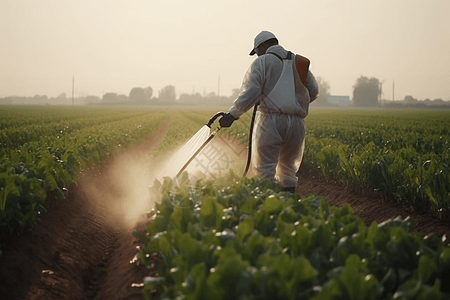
x=210, y=122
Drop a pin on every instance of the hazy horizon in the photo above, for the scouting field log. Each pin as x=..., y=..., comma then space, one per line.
x=111, y=47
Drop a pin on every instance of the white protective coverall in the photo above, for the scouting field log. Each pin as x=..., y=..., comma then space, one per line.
x=279, y=130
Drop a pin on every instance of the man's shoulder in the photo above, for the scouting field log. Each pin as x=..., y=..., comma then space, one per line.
x=277, y=49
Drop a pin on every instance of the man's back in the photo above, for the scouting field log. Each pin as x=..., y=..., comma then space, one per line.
x=269, y=67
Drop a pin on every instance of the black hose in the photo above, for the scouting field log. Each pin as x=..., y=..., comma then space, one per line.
x=250, y=135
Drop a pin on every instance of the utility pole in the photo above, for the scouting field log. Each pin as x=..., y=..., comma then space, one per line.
x=393, y=88
x=73, y=86
x=381, y=92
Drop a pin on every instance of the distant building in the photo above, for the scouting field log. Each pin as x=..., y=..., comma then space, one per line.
x=339, y=100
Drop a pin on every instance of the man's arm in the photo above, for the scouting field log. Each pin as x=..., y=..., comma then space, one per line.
x=251, y=90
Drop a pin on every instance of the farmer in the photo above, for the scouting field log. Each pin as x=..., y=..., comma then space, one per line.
x=282, y=86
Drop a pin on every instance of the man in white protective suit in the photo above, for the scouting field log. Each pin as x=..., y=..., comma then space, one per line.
x=282, y=86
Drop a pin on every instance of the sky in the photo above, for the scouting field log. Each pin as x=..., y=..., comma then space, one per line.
x=202, y=45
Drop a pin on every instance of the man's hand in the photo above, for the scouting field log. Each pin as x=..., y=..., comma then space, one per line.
x=227, y=120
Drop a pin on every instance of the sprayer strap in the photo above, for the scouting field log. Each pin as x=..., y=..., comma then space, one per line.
x=288, y=56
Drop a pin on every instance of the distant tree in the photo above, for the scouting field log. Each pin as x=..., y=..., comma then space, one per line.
x=223, y=100
x=137, y=94
x=148, y=91
x=61, y=96
x=92, y=100
x=211, y=96
x=410, y=100
x=190, y=99
x=197, y=98
x=324, y=92
x=40, y=99
x=109, y=98
x=167, y=95
x=366, y=91
x=7, y=100
x=122, y=98
x=211, y=99
x=185, y=99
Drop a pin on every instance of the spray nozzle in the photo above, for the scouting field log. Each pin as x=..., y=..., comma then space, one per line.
x=211, y=121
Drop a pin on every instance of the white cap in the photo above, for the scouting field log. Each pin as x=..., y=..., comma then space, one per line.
x=261, y=38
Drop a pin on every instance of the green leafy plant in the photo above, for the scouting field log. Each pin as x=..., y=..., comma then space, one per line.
x=244, y=238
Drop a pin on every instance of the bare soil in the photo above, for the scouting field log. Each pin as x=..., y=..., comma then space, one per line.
x=81, y=249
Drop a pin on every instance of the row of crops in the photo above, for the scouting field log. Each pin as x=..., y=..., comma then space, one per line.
x=404, y=154
x=43, y=149
x=244, y=238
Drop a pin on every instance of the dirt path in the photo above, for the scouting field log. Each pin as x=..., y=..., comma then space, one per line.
x=82, y=248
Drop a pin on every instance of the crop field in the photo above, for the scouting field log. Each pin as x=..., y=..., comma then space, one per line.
x=243, y=238
x=404, y=154
x=44, y=148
